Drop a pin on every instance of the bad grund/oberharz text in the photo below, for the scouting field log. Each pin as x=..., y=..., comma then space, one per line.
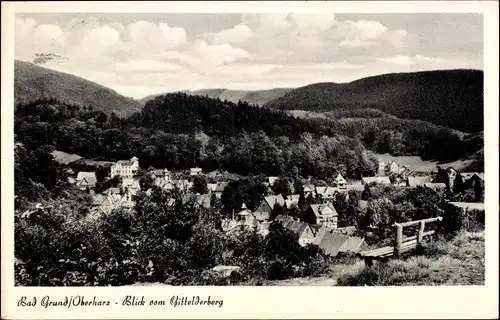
x=68, y=301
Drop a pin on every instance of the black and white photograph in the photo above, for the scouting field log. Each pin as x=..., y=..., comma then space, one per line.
x=249, y=149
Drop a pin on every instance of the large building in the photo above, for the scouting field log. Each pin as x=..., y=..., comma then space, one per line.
x=125, y=168
x=323, y=214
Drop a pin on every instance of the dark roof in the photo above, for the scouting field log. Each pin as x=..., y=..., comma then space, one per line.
x=352, y=244
x=331, y=242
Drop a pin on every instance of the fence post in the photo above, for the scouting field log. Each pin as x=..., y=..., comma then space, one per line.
x=420, y=235
x=398, y=240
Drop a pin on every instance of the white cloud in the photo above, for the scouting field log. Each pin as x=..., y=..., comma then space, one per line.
x=237, y=34
x=174, y=36
x=214, y=55
x=260, y=51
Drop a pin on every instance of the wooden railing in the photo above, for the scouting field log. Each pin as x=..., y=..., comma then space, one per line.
x=399, y=240
x=401, y=244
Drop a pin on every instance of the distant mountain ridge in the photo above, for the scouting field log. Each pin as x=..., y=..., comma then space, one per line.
x=32, y=82
x=259, y=97
x=452, y=98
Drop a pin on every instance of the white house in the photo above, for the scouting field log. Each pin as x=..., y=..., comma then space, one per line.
x=195, y=171
x=86, y=179
x=340, y=182
x=125, y=168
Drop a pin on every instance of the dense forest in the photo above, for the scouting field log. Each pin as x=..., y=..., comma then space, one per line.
x=451, y=98
x=179, y=131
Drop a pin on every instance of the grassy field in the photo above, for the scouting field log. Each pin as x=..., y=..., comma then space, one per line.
x=456, y=262
x=416, y=163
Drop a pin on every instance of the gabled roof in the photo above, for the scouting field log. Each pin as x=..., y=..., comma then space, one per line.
x=319, y=209
x=127, y=163
x=468, y=175
x=131, y=183
x=380, y=180
x=330, y=242
x=261, y=216
x=309, y=188
x=352, y=244
x=339, y=178
x=84, y=176
x=320, y=190
x=160, y=172
x=480, y=175
x=272, y=200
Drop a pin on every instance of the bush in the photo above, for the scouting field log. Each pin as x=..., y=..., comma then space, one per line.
x=456, y=219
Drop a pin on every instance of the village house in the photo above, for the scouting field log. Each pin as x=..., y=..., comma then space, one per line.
x=292, y=200
x=403, y=171
x=309, y=190
x=161, y=174
x=328, y=196
x=332, y=243
x=392, y=168
x=414, y=182
x=211, y=187
x=270, y=181
x=340, y=182
x=381, y=168
x=125, y=168
x=86, y=180
x=131, y=185
x=324, y=214
x=242, y=221
x=195, y=171
x=110, y=200
x=263, y=211
x=377, y=180
x=470, y=178
x=305, y=232
x=182, y=185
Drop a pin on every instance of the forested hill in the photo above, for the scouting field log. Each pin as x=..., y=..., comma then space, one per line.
x=257, y=97
x=180, y=131
x=32, y=83
x=452, y=98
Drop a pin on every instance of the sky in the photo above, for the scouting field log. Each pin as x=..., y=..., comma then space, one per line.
x=142, y=54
